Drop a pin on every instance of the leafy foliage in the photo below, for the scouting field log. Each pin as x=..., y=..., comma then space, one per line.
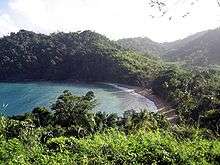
x=142, y=45
x=194, y=94
x=86, y=56
x=40, y=137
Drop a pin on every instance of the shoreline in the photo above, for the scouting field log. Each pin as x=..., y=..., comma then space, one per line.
x=147, y=93
x=162, y=106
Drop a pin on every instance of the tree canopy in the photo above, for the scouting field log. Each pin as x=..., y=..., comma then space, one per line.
x=86, y=56
x=73, y=134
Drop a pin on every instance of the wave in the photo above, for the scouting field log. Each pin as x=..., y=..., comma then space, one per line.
x=122, y=88
x=131, y=91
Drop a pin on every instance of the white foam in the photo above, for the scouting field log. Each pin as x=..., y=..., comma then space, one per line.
x=4, y=105
x=149, y=103
x=121, y=88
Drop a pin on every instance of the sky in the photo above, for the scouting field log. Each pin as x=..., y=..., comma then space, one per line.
x=114, y=18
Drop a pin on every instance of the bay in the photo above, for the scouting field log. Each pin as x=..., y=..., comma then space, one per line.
x=18, y=98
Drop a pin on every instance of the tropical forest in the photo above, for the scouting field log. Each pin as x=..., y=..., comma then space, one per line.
x=81, y=97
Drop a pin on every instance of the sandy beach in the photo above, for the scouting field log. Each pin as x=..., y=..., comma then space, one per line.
x=162, y=106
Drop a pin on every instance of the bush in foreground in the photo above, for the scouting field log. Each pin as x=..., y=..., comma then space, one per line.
x=73, y=134
x=113, y=147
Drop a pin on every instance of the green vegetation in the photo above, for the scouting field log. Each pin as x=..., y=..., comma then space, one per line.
x=200, y=49
x=82, y=56
x=142, y=45
x=71, y=133
x=194, y=94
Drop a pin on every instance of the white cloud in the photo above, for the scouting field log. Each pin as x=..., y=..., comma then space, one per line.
x=114, y=18
x=6, y=24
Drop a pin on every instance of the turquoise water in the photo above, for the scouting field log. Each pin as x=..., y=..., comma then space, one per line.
x=18, y=98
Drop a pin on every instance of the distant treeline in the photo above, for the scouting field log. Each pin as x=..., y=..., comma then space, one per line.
x=200, y=49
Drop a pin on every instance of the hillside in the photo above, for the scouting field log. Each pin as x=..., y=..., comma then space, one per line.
x=142, y=45
x=86, y=56
x=200, y=49
x=179, y=43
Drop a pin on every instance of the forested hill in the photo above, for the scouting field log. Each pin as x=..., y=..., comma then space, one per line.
x=83, y=55
x=200, y=49
x=143, y=45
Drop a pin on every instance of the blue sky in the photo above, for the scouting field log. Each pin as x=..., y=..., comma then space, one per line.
x=3, y=5
x=113, y=18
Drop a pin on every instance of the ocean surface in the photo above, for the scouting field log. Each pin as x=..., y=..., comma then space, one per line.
x=18, y=98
